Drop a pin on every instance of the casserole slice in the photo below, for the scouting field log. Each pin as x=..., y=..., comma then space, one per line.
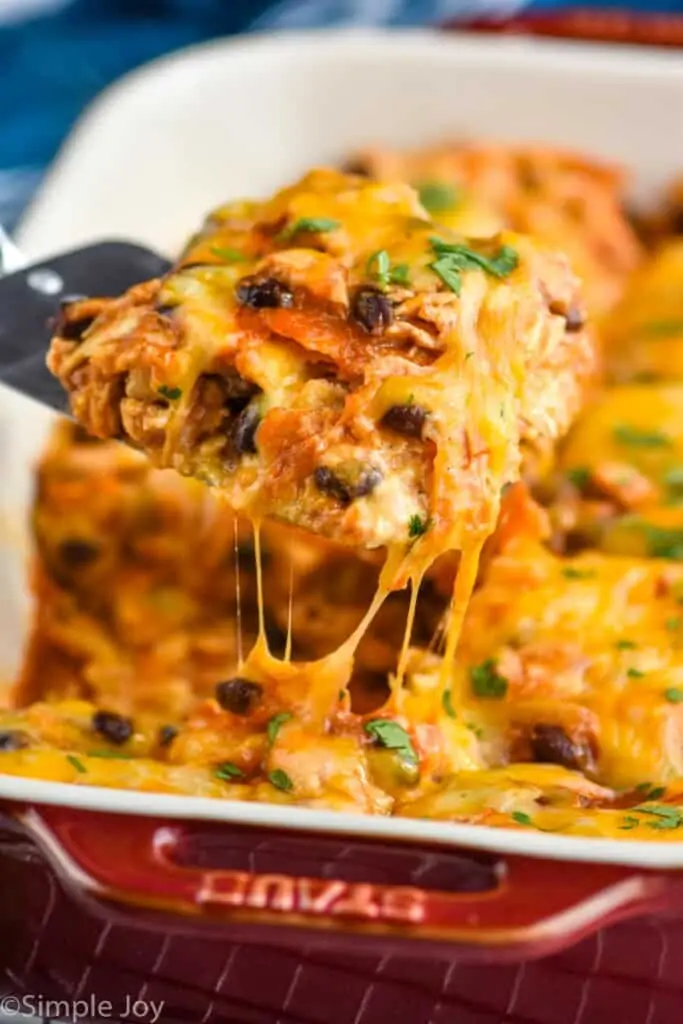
x=333, y=358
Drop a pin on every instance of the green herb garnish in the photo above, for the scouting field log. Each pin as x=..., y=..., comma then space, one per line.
x=572, y=573
x=417, y=526
x=75, y=763
x=464, y=258
x=668, y=816
x=379, y=267
x=663, y=542
x=674, y=695
x=657, y=793
x=447, y=702
x=636, y=437
x=673, y=478
x=113, y=755
x=449, y=274
x=486, y=681
x=521, y=818
x=227, y=771
x=673, y=624
x=437, y=196
x=625, y=645
x=393, y=736
x=170, y=393
x=273, y=727
x=228, y=255
x=661, y=328
x=629, y=822
x=635, y=673
x=312, y=225
x=580, y=476
x=280, y=780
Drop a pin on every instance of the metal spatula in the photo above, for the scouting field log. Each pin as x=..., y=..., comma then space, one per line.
x=30, y=299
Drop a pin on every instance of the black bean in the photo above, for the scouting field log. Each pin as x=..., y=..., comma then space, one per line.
x=244, y=430
x=266, y=294
x=328, y=482
x=356, y=166
x=164, y=309
x=367, y=481
x=73, y=330
x=114, y=727
x=372, y=310
x=238, y=695
x=551, y=745
x=167, y=733
x=405, y=419
x=13, y=740
x=76, y=553
x=575, y=320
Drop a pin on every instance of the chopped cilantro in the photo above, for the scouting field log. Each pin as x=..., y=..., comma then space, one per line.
x=468, y=355
x=437, y=196
x=273, y=727
x=113, y=755
x=228, y=255
x=635, y=673
x=476, y=729
x=572, y=573
x=75, y=763
x=673, y=623
x=625, y=645
x=668, y=816
x=673, y=478
x=662, y=328
x=486, y=681
x=170, y=393
x=657, y=793
x=393, y=736
x=448, y=274
x=580, y=476
x=447, y=702
x=629, y=822
x=417, y=526
x=379, y=267
x=674, y=695
x=663, y=542
x=400, y=274
x=312, y=225
x=227, y=771
x=464, y=258
x=521, y=818
x=280, y=780
x=636, y=437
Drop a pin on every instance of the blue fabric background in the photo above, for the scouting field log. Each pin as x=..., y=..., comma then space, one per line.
x=52, y=64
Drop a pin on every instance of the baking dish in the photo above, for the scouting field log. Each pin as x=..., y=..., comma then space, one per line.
x=247, y=912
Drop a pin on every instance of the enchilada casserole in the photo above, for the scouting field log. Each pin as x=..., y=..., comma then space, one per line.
x=319, y=655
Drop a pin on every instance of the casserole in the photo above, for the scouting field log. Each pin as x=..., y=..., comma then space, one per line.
x=372, y=941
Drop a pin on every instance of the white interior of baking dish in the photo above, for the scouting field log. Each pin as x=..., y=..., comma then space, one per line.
x=242, y=117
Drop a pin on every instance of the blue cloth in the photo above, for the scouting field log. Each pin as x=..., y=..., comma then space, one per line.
x=55, y=59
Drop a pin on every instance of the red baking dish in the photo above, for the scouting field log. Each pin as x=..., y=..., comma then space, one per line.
x=252, y=923
x=257, y=914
